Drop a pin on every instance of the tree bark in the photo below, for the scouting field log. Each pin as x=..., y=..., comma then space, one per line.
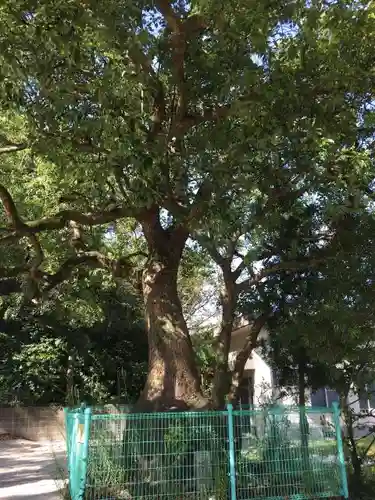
x=173, y=380
x=221, y=382
x=303, y=422
x=71, y=400
x=351, y=441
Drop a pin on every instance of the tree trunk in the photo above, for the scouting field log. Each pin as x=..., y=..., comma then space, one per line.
x=173, y=380
x=70, y=388
x=351, y=441
x=303, y=423
x=243, y=356
x=221, y=382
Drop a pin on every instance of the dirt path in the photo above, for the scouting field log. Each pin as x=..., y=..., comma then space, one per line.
x=31, y=470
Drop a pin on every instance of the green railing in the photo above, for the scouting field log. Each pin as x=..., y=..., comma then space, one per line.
x=232, y=454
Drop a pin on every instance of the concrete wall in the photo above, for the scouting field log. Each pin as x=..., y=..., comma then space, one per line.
x=263, y=382
x=33, y=423
x=45, y=423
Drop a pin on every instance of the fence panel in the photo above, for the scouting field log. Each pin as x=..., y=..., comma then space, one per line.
x=272, y=453
x=283, y=453
x=163, y=456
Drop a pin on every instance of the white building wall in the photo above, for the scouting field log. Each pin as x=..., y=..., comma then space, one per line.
x=263, y=376
x=264, y=390
x=364, y=425
x=263, y=382
x=353, y=401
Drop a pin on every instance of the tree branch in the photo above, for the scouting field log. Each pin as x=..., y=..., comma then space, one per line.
x=240, y=268
x=34, y=275
x=293, y=265
x=178, y=43
x=244, y=354
x=93, y=259
x=13, y=272
x=158, y=113
x=17, y=224
x=181, y=30
x=38, y=252
x=139, y=57
x=202, y=198
x=218, y=112
x=61, y=219
x=10, y=209
x=11, y=148
x=214, y=253
x=186, y=215
x=171, y=17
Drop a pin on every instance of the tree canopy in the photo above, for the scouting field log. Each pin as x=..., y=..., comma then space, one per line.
x=246, y=128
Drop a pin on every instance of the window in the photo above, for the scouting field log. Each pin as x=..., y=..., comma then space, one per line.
x=318, y=398
x=246, y=389
x=324, y=398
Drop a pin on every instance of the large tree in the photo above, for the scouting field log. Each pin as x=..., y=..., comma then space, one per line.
x=226, y=122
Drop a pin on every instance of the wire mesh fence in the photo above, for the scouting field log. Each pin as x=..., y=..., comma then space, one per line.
x=279, y=456
x=272, y=453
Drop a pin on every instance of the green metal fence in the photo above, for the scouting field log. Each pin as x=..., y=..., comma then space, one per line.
x=273, y=453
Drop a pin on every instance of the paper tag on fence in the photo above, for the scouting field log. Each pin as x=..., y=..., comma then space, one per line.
x=81, y=428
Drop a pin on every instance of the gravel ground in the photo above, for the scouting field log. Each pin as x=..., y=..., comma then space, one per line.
x=31, y=470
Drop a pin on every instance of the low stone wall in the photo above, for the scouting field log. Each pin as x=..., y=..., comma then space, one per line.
x=32, y=423
x=45, y=423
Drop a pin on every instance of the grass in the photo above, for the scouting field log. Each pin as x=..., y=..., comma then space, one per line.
x=367, y=444
x=325, y=448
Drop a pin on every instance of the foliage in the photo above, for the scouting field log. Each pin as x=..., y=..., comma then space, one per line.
x=203, y=342
x=109, y=355
x=197, y=288
x=32, y=370
x=327, y=321
x=325, y=315
x=134, y=126
x=365, y=489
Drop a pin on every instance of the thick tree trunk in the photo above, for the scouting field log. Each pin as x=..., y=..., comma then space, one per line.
x=173, y=380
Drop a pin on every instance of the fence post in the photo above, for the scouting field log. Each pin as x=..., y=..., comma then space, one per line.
x=232, y=456
x=84, y=455
x=74, y=461
x=340, y=449
x=67, y=433
x=69, y=429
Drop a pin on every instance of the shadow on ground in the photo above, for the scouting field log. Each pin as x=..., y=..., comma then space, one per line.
x=31, y=470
